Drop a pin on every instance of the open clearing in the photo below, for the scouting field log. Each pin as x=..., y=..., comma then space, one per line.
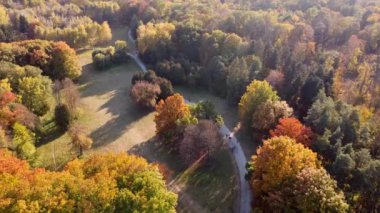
x=116, y=125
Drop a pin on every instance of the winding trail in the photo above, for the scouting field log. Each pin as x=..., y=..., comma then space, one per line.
x=233, y=143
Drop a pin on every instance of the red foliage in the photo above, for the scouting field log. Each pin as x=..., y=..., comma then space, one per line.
x=293, y=128
x=7, y=98
x=10, y=112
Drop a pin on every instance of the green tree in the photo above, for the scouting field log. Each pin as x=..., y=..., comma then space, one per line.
x=23, y=142
x=237, y=80
x=35, y=93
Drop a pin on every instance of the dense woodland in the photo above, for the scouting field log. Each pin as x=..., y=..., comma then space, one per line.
x=304, y=75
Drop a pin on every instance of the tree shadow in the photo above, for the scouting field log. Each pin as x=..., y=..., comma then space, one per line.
x=154, y=151
x=116, y=127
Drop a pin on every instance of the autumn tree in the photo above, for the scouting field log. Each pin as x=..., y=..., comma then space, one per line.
x=79, y=139
x=278, y=160
x=316, y=189
x=105, y=33
x=267, y=115
x=65, y=64
x=199, y=142
x=101, y=183
x=168, y=112
x=4, y=18
x=23, y=141
x=257, y=93
x=165, y=85
x=35, y=93
x=312, y=190
x=293, y=128
x=145, y=94
x=150, y=35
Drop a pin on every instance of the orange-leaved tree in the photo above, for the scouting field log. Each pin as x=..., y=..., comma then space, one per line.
x=293, y=128
x=169, y=111
x=277, y=161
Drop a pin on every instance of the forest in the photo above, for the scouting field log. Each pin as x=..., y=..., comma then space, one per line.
x=189, y=106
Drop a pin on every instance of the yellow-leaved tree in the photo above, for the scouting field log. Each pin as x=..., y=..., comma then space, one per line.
x=278, y=160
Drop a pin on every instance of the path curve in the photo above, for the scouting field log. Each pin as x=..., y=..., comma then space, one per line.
x=233, y=144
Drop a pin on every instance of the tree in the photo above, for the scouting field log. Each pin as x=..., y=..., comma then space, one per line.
x=4, y=18
x=257, y=93
x=255, y=67
x=276, y=79
x=278, y=160
x=79, y=139
x=199, y=142
x=205, y=110
x=145, y=94
x=66, y=92
x=151, y=77
x=168, y=112
x=121, y=45
x=102, y=61
x=267, y=115
x=294, y=129
x=150, y=35
x=237, y=80
x=165, y=87
x=105, y=33
x=312, y=190
x=64, y=63
x=310, y=90
x=35, y=94
x=316, y=189
x=23, y=142
x=231, y=45
x=172, y=71
x=217, y=76
x=101, y=183
x=63, y=117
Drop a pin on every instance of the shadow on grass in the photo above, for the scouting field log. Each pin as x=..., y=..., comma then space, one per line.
x=116, y=127
x=153, y=151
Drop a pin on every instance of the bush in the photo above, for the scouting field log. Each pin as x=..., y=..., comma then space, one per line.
x=145, y=94
x=63, y=116
x=101, y=61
